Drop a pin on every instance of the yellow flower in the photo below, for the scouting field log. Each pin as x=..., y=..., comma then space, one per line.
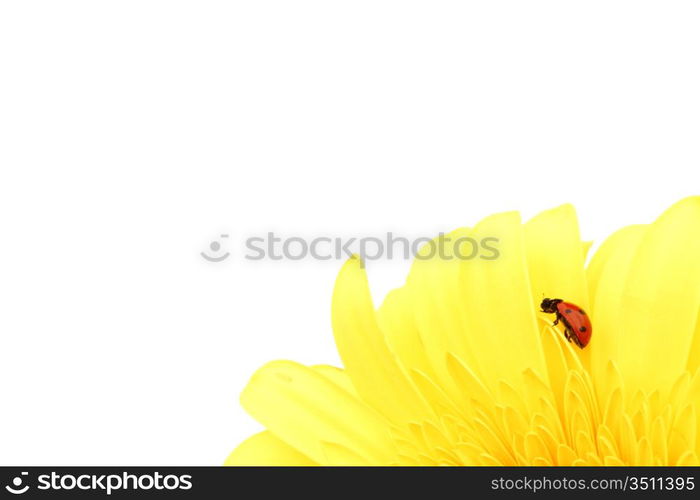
x=459, y=366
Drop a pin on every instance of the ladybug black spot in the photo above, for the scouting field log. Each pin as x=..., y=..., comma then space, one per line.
x=582, y=311
x=568, y=311
x=582, y=329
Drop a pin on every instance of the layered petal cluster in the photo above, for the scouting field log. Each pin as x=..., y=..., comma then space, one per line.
x=459, y=367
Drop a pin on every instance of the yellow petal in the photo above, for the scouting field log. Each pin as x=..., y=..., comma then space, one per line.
x=617, y=249
x=441, y=403
x=337, y=376
x=613, y=461
x=606, y=446
x=661, y=299
x=535, y=447
x=338, y=455
x=683, y=434
x=437, y=304
x=471, y=386
x=607, y=275
x=554, y=258
x=612, y=417
x=396, y=320
x=644, y=456
x=557, y=366
x=694, y=357
x=374, y=372
x=627, y=440
x=565, y=455
x=503, y=334
x=689, y=458
x=659, y=440
x=535, y=389
x=265, y=449
x=304, y=408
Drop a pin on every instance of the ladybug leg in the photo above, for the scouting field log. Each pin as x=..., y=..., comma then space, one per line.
x=568, y=334
x=556, y=321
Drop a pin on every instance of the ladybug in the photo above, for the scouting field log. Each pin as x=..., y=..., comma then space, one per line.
x=577, y=326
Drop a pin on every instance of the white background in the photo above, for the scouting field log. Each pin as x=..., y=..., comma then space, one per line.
x=133, y=133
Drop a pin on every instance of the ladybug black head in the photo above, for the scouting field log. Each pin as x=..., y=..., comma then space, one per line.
x=549, y=305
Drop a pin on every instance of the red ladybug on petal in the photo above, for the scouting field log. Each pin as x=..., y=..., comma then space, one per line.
x=577, y=325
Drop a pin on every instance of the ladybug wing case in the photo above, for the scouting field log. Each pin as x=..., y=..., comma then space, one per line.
x=578, y=320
